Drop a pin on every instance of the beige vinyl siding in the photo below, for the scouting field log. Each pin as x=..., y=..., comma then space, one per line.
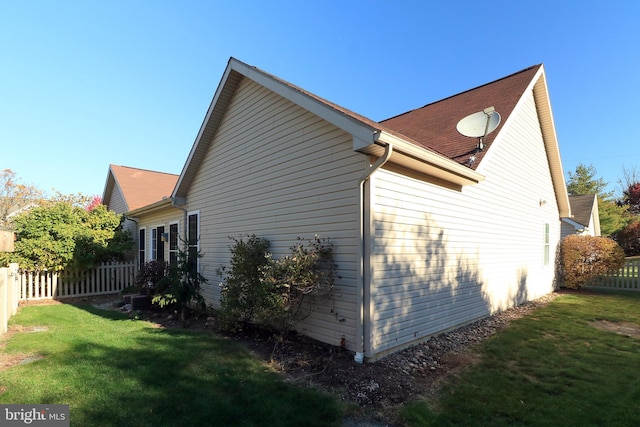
x=442, y=258
x=280, y=172
x=117, y=202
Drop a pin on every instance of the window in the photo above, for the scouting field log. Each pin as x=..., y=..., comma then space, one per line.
x=141, y=246
x=546, y=243
x=193, y=231
x=158, y=237
x=154, y=243
x=173, y=244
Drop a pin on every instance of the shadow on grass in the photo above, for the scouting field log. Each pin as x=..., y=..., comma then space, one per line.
x=162, y=377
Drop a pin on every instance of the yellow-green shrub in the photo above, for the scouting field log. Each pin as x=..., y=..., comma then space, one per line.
x=584, y=258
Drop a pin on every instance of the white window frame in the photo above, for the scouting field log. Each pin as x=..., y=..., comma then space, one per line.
x=177, y=239
x=142, y=251
x=153, y=243
x=187, y=237
x=546, y=257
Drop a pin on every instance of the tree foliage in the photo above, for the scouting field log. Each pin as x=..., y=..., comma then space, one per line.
x=631, y=198
x=629, y=239
x=62, y=233
x=583, y=181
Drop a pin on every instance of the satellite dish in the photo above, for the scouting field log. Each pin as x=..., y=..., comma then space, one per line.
x=479, y=125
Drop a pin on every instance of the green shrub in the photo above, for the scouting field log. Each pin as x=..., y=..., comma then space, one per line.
x=182, y=286
x=584, y=258
x=299, y=281
x=245, y=298
x=149, y=274
x=275, y=292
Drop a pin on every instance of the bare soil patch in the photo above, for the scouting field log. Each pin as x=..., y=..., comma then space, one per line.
x=9, y=360
x=622, y=328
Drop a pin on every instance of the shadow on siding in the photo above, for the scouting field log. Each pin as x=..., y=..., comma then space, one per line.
x=426, y=283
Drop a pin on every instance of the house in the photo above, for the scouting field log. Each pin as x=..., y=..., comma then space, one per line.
x=429, y=231
x=585, y=218
x=128, y=190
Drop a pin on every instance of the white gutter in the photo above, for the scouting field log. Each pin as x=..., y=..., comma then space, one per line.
x=388, y=150
x=437, y=164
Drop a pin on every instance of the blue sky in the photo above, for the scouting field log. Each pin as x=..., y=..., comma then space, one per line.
x=85, y=84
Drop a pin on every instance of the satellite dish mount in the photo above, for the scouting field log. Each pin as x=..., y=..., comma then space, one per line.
x=479, y=125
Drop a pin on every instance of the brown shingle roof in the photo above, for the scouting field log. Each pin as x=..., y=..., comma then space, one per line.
x=434, y=125
x=142, y=187
x=582, y=207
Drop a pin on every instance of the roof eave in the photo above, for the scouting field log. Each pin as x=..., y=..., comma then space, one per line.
x=541, y=96
x=424, y=161
x=153, y=207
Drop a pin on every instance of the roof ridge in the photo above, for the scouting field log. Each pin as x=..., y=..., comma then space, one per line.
x=144, y=170
x=463, y=92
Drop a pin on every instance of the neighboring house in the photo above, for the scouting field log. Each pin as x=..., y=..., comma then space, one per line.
x=11, y=207
x=128, y=190
x=585, y=218
x=425, y=239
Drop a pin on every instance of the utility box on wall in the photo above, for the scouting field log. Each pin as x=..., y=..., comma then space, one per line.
x=7, y=239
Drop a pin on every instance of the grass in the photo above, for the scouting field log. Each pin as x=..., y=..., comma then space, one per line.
x=551, y=368
x=113, y=371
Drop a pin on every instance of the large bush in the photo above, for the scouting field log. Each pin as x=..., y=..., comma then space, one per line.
x=245, y=298
x=64, y=234
x=275, y=292
x=298, y=281
x=584, y=258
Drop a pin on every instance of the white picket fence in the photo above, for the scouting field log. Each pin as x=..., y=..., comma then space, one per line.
x=107, y=278
x=627, y=278
x=17, y=285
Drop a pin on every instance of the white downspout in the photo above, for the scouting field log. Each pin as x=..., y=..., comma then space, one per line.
x=364, y=239
x=178, y=202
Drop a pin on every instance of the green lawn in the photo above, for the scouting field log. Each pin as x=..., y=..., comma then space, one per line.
x=552, y=368
x=113, y=371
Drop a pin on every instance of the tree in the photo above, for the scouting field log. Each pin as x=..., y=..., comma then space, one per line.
x=631, y=198
x=62, y=234
x=630, y=176
x=629, y=239
x=613, y=216
x=584, y=181
x=14, y=195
